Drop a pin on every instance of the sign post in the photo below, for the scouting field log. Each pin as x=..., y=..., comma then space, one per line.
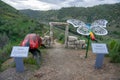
x=100, y=49
x=19, y=53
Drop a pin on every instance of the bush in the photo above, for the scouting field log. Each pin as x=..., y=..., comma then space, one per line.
x=3, y=40
x=61, y=38
x=5, y=54
x=114, y=51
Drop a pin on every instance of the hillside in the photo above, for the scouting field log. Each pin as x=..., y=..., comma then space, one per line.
x=110, y=12
x=14, y=24
x=13, y=28
x=43, y=16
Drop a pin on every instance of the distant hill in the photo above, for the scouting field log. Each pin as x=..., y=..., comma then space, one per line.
x=110, y=12
x=43, y=16
x=107, y=11
x=31, y=13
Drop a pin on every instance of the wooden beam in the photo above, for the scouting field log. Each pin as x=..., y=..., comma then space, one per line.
x=58, y=23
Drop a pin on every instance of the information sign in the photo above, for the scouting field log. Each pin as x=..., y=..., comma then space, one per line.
x=19, y=51
x=99, y=48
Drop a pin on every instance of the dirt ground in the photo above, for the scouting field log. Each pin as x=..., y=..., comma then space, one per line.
x=60, y=63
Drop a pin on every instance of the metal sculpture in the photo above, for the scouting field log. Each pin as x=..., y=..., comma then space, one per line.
x=97, y=28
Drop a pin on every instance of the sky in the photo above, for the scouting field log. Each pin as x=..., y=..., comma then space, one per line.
x=55, y=4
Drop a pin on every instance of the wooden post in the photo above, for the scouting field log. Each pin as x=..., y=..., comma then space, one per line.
x=51, y=34
x=66, y=35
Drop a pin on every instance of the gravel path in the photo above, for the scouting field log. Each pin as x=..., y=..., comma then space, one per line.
x=70, y=64
x=66, y=64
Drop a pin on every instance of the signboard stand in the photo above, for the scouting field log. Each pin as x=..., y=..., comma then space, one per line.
x=19, y=53
x=99, y=61
x=19, y=64
x=100, y=50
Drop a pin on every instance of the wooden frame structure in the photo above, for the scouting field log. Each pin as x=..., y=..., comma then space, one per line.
x=52, y=24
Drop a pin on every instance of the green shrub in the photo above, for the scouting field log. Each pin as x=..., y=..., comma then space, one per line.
x=61, y=38
x=114, y=51
x=5, y=53
x=3, y=40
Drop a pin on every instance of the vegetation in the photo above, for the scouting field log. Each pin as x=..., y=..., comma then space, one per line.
x=114, y=51
x=30, y=60
x=61, y=38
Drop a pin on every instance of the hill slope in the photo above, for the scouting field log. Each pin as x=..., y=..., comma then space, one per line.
x=14, y=24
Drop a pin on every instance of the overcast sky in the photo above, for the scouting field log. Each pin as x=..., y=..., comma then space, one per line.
x=55, y=4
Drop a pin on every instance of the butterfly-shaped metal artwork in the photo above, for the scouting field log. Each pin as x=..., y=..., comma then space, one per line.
x=97, y=27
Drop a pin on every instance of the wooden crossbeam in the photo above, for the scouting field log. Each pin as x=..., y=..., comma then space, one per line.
x=58, y=23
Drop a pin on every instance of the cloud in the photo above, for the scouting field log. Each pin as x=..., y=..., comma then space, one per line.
x=55, y=4
x=90, y=3
x=30, y=4
x=53, y=1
